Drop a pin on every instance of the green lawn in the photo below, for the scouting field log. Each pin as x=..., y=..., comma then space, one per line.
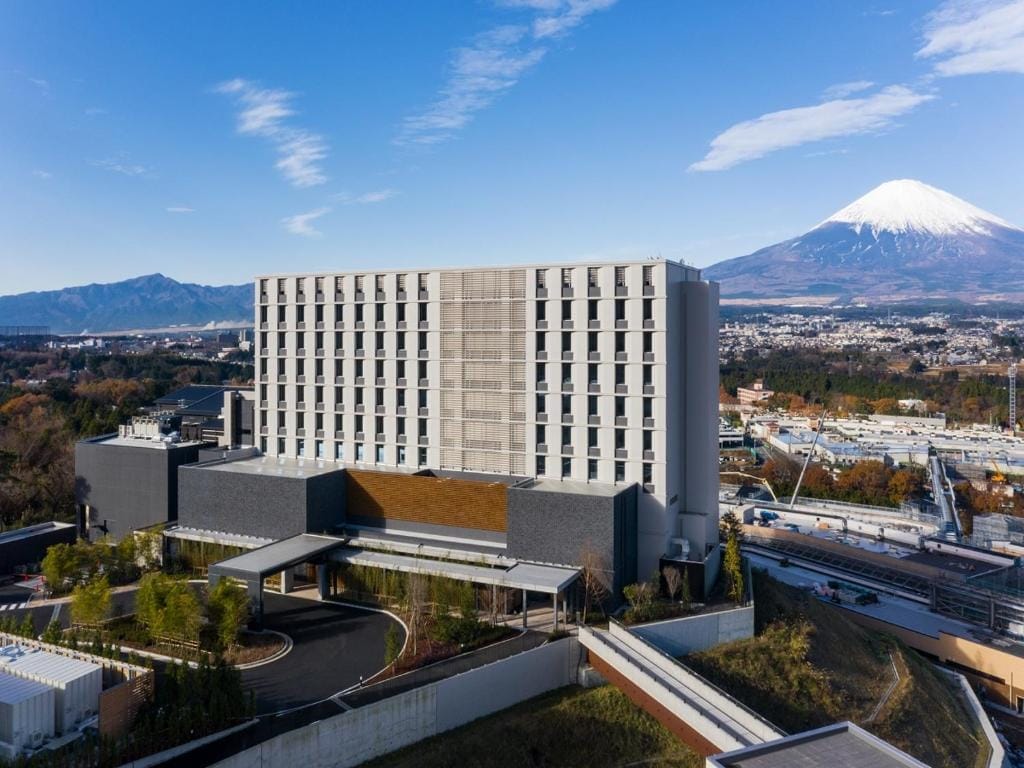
x=570, y=727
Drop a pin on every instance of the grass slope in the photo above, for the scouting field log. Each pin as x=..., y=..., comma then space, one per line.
x=569, y=727
x=810, y=665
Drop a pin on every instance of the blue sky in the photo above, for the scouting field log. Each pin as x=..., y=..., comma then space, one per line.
x=215, y=141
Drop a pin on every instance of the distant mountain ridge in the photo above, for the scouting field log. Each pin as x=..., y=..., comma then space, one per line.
x=902, y=241
x=150, y=301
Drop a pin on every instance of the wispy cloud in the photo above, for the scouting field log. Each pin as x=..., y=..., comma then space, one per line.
x=967, y=37
x=367, y=198
x=264, y=112
x=768, y=133
x=179, y=209
x=39, y=173
x=568, y=17
x=302, y=223
x=828, y=152
x=842, y=90
x=493, y=62
x=41, y=84
x=121, y=164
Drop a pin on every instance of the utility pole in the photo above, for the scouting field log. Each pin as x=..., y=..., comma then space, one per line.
x=1012, y=371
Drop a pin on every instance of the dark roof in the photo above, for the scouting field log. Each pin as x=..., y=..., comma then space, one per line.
x=197, y=399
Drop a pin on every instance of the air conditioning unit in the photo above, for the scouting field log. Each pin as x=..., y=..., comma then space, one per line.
x=37, y=738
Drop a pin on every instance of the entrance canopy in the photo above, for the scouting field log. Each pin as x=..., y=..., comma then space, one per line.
x=274, y=558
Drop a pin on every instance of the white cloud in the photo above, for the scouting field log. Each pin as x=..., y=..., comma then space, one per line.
x=302, y=223
x=121, y=165
x=768, y=133
x=263, y=113
x=179, y=209
x=842, y=90
x=967, y=37
x=39, y=173
x=367, y=198
x=493, y=63
x=572, y=16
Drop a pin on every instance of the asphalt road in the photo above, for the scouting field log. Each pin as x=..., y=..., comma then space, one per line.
x=334, y=646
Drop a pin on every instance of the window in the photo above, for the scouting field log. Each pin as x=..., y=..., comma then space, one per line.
x=378, y=368
x=338, y=345
x=380, y=454
x=379, y=313
x=592, y=469
x=300, y=313
x=620, y=439
x=423, y=369
x=401, y=287
x=400, y=426
x=319, y=422
x=592, y=342
x=541, y=342
x=320, y=449
x=359, y=340
x=378, y=425
x=359, y=369
x=422, y=341
x=378, y=281
x=620, y=407
x=592, y=277
x=648, y=475
x=620, y=310
x=566, y=278
x=400, y=340
x=567, y=341
x=359, y=423
x=359, y=395
x=422, y=457
x=648, y=343
x=400, y=312
x=300, y=448
x=591, y=437
x=280, y=446
x=359, y=283
x=648, y=276
x=542, y=403
x=401, y=398
x=401, y=449
x=648, y=375
x=541, y=373
x=542, y=278
x=620, y=277
x=620, y=342
x=567, y=405
x=620, y=375
x=263, y=445
x=648, y=440
x=359, y=313
x=300, y=284
x=339, y=451
x=542, y=432
x=359, y=451
x=300, y=420
x=567, y=311
x=620, y=471
x=592, y=310
x=592, y=405
x=319, y=285
x=566, y=467
x=542, y=311
x=339, y=288
x=281, y=285
x=648, y=309
x=422, y=312
x=540, y=465
x=400, y=369
x=422, y=398
x=592, y=374
x=566, y=438
x=422, y=428
x=566, y=375
x=421, y=280
x=280, y=314
x=648, y=408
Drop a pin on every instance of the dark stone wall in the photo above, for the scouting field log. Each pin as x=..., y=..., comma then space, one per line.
x=32, y=549
x=129, y=487
x=557, y=528
x=265, y=505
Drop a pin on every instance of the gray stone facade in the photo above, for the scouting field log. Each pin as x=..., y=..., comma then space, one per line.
x=214, y=498
x=121, y=488
x=553, y=527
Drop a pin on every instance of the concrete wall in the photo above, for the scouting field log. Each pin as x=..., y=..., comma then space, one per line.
x=553, y=527
x=129, y=487
x=678, y=637
x=271, y=506
x=362, y=734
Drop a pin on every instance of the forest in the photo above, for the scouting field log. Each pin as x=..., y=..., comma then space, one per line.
x=51, y=399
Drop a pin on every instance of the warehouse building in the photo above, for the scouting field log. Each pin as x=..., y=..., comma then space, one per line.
x=26, y=715
x=76, y=683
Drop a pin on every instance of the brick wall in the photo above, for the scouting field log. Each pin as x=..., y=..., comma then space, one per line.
x=433, y=500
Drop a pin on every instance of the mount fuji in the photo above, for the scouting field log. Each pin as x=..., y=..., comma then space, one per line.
x=902, y=241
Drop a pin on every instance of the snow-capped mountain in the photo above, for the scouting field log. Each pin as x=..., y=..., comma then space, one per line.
x=902, y=241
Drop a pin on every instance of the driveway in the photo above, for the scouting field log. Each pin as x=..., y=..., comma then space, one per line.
x=334, y=645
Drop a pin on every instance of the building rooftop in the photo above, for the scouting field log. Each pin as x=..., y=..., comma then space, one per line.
x=141, y=442
x=51, y=667
x=32, y=530
x=275, y=466
x=842, y=745
x=549, y=485
x=15, y=689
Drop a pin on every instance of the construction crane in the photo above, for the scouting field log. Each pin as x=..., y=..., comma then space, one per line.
x=997, y=476
x=1012, y=373
x=754, y=477
x=800, y=480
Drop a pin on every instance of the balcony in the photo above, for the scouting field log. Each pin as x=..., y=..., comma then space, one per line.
x=424, y=382
x=648, y=357
x=318, y=297
x=542, y=418
x=567, y=325
x=282, y=404
x=593, y=291
x=360, y=325
x=282, y=352
x=265, y=352
x=281, y=378
x=423, y=411
x=379, y=381
x=264, y=326
x=422, y=354
x=621, y=324
x=264, y=404
x=648, y=290
x=360, y=296
x=594, y=325
x=360, y=381
x=594, y=452
x=567, y=450
x=594, y=388
x=381, y=296
x=594, y=357
x=379, y=409
x=319, y=406
x=424, y=295
x=567, y=418
x=360, y=352
x=300, y=298
x=360, y=436
x=301, y=405
x=648, y=389
x=621, y=357
x=282, y=298
x=400, y=439
x=401, y=353
x=380, y=437
x=400, y=410
x=401, y=325
x=542, y=448
x=542, y=386
x=621, y=421
x=594, y=420
x=648, y=423
x=264, y=298
x=301, y=325
x=319, y=352
x=648, y=324
x=300, y=352
x=648, y=456
x=542, y=325
x=380, y=325
x=264, y=378
x=648, y=487
x=359, y=408
x=339, y=435
x=339, y=379
x=567, y=386
x=621, y=290
x=339, y=325
x=401, y=295
x=401, y=381
x=621, y=453
x=423, y=440
x=423, y=325
x=567, y=292
x=567, y=356
x=319, y=379
x=542, y=293
x=264, y=430
x=542, y=355
x=379, y=352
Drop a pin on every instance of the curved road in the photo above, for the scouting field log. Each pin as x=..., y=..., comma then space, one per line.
x=334, y=645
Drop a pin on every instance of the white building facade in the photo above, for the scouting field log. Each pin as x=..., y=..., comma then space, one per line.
x=602, y=372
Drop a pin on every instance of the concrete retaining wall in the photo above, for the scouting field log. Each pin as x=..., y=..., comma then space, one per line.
x=361, y=734
x=691, y=634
